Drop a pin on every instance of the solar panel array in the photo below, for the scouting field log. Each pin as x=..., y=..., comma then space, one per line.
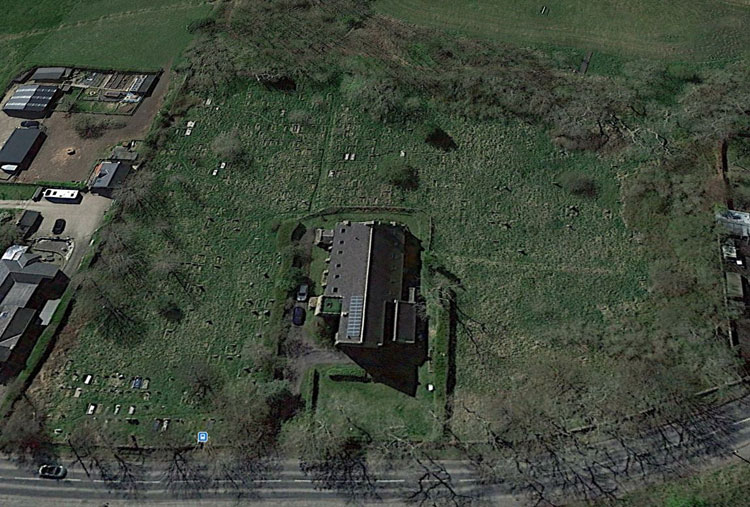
x=356, y=310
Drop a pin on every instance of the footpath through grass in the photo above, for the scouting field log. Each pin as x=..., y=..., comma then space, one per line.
x=692, y=30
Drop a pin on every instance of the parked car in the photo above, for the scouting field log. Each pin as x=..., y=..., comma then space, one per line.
x=30, y=124
x=52, y=471
x=298, y=316
x=59, y=226
x=302, y=293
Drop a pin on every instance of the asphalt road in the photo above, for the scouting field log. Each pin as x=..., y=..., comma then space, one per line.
x=289, y=486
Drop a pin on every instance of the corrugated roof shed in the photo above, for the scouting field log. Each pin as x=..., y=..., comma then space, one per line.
x=31, y=99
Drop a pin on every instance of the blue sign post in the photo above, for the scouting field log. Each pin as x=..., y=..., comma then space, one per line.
x=202, y=437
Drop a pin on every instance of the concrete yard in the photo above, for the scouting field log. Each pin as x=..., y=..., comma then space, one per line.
x=82, y=220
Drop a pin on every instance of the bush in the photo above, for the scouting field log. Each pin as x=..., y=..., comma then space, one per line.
x=228, y=147
x=400, y=174
x=439, y=138
x=579, y=184
x=92, y=127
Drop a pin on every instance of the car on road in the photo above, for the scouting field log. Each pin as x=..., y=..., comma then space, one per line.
x=302, y=293
x=298, y=316
x=59, y=226
x=52, y=471
x=30, y=124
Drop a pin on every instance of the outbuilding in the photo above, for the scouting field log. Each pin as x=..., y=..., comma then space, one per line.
x=51, y=74
x=109, y=176
x=31, y=101
x=20, y=149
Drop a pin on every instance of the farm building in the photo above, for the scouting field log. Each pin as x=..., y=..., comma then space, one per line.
x=29, y=223
x=51, y=74
x=26, y=285
x=20, y=149
x=31, y=101
x=737, y=223
x=108, y=176
x=366, y=273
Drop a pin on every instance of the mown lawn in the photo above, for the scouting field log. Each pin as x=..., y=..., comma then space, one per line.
x=693, y=30
x=142, y=40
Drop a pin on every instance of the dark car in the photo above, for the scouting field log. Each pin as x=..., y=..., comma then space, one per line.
x=59, y=226
x=298, y=316
x=302, y=293
x=30, y=124
x=52, y=471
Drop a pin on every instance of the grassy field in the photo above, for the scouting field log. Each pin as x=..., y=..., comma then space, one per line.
x=224, y=225
x=693, y=30
x=139, y=35
x=145, y=40
x=21, y=15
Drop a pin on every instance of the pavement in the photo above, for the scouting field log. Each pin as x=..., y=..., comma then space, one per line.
x=82, y=220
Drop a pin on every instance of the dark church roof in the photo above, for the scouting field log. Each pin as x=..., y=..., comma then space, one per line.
x=109, y=175
x=366, y=271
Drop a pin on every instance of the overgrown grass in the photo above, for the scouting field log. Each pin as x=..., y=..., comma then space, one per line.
x=16, y=191
x=228, y=245
x=376, y=408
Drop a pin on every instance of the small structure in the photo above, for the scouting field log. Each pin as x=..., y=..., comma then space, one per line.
x=108, y=176
x=29, y=223
x=736, y=222
x=31, y=101
x=323, y=237
x=123, y=154
x=51, y=74
x=20, y=149
x=143, y=84
x=734, y=286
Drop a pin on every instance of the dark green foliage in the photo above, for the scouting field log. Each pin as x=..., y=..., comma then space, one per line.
x=439, y=138
x=579, y=184
x=400, y=174
x=91, y=127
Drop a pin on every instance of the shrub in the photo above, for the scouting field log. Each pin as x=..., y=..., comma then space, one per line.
x=579, y=184
x=400, y=174
x=91, y=127
x=439, y=138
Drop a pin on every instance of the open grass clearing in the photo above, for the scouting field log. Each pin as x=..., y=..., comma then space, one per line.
x=694, y=30
x=140, y=41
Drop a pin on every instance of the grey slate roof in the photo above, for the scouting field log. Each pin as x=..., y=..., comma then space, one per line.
x=13, y=324
x=31, y=98
x=50, y=74
x=110, y=175
x=18, y=145
x=28, y=219
x=366, y=270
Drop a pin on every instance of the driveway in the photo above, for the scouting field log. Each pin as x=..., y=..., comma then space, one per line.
x=82, y=220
